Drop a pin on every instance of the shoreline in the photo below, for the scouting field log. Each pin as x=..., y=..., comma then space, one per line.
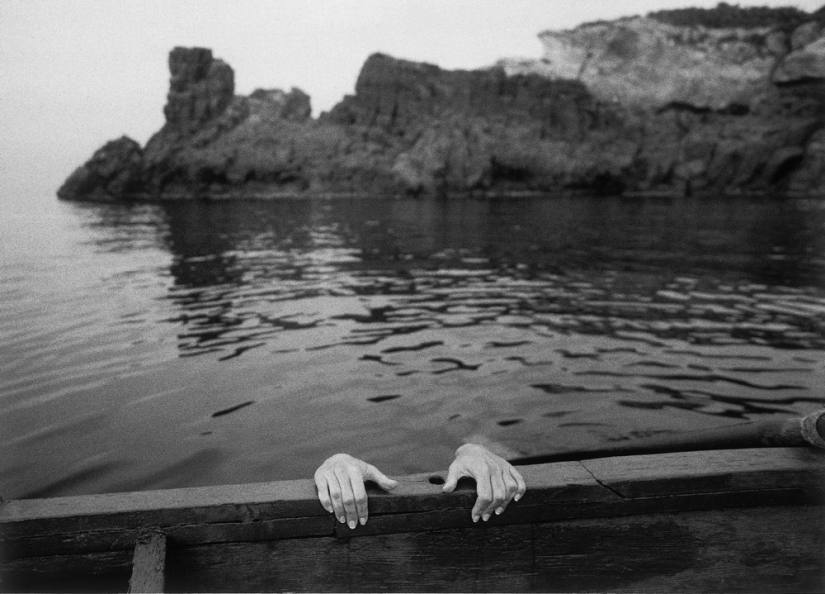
x=475, y=195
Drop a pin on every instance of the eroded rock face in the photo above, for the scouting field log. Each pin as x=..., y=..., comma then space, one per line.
x=294, y=105
x=200, y=89
x=805, y=34
x=641, y=61
x=806, y=63
x=633, y=105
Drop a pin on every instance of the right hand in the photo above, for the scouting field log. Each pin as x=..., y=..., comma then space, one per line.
x=340, y=482
x=497, y=481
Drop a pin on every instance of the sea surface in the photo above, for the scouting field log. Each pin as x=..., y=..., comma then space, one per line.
x=164, y=345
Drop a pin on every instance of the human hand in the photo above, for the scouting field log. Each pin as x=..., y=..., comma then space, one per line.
x=497, y=482
x=340, y=482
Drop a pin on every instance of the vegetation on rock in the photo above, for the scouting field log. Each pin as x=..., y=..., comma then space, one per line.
x=728, y=16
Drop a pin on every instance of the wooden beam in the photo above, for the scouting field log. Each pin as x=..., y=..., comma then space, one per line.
x=762, y=549
x=290, y=509
x=712, y=472
x=247, y=524
x=148, y=563
x=266, y=501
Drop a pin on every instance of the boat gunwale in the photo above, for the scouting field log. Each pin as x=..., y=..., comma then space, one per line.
x=43, y=545
x=599, y=481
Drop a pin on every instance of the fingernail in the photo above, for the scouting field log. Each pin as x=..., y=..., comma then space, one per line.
x=475, y=518
x=517, y=497
x=341, y=519
x=486, y=517
x=499, y=511
x=363, y=521
x=352, y=524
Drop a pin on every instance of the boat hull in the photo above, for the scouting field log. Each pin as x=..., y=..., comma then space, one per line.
x=727, y=520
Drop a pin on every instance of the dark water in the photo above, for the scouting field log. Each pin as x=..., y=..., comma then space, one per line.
x=155, y=346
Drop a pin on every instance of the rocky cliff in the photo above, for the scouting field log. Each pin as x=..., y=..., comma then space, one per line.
x=671, y=103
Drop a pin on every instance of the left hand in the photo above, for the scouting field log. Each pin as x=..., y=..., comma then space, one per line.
x=340, y=483
x=497, y=482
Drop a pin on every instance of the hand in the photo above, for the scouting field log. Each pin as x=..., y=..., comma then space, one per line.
x=340, y=482
x=497, y=482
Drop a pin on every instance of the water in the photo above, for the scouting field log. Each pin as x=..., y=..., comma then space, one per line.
x=166, y=345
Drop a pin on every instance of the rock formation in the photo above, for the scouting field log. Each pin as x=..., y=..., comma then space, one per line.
x=656, y=104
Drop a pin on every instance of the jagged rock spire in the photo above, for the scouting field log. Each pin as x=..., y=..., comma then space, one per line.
x=201, y=88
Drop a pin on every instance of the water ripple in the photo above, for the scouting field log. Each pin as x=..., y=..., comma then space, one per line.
x=248, y=341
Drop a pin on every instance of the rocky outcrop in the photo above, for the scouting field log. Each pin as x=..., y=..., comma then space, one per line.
x=725, y=100
x=115, y=170
x=638, y=104
x=641, y=61
x=805, y=63
x=649, y=63
x=200, y=89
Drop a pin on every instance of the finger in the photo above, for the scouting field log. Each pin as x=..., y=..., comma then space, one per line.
x=512, y=486
x=383, y=481
x=347, y=497
x=452, y=479
x=360, y=495
x=485, y=496
x=336, y=496
x=521, y=489
x=323, y=492
x=499, y=494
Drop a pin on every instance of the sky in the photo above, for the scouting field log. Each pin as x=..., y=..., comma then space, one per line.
x=77, y=73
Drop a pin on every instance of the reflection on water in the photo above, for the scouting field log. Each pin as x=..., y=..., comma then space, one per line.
x=230, y=342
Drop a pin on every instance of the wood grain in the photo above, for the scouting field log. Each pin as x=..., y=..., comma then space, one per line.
x=148, y=563
x=743, y=550
x=549, y=540
x=711, y=471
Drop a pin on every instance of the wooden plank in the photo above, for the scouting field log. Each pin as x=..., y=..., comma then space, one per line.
x=517, y=513
x=521, y=513
x=555, y=492
x=293, y=497
x=774, y=549
x=148, y=563
x=184, y=506
x=113, y=540
x=549, y=484
x=92, y=572
x=619, y=495
x=712, y=471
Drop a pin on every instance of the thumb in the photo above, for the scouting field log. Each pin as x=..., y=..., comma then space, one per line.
x=452, y=480
x=379, y=477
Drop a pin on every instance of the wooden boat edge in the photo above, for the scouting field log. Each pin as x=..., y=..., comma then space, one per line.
x=559, y=494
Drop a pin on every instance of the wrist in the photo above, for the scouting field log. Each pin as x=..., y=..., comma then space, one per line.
x=467, y=447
